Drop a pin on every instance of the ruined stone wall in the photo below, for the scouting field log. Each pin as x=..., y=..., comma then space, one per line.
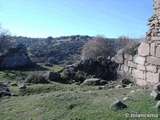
x=145, y=66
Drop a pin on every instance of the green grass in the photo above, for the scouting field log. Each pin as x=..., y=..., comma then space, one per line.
x=56, y=101
x=71, y=102
x=55, y=68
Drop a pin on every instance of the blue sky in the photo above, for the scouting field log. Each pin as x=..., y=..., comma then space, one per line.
x=43, y=18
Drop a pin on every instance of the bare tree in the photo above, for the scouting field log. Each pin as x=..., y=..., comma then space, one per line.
x=97, y=46
x=127, y=42
x=5, y=39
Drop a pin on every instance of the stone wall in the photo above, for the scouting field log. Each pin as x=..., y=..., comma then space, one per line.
x=145, y=66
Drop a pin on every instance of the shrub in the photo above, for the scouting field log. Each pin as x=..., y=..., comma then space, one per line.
x=129, y=44
x=132, y=50
x=98, y=46
x=36, y=78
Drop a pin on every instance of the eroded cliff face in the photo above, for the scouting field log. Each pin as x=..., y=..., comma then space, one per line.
x=15, y=57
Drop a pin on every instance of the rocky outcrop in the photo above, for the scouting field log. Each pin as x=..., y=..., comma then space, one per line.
x=15, y=57
x=97, y=68
x=53, y=76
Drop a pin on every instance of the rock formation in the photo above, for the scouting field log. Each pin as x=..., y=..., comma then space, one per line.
x=15, y=57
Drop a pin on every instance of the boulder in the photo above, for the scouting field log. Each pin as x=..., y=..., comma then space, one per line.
x=126, y=98
x=155, y=95
x=22, y=87
x=118, y=58
x=92, y=81
x=53, y=76
x=118, y=105
x=15, y=57
x=6, y=93
x=158, y=105
x=157, y=87
x=118, y=86
x=13, y=84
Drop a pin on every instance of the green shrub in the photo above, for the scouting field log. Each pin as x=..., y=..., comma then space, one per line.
x=133, y=50
x=36, y=78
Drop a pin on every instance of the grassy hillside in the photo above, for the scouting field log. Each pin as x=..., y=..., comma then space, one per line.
x=57, y=101
x=72, y=102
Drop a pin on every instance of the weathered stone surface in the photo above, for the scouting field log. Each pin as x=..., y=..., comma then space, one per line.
x=158, y=51
x=158, y=105
x=141, y=82
x=118, y=86
x=22, y=87
x=157, y=87
x=138, y=59
x=125, y=62
x=152, y=77
x=118, y=105
x=152, y=50
x=151, y=68
x=92, y=81
x=155, y=38
x=15, y=57
x=155, y=95
x=126, y=98
x=120, y=52
x=125, y=68
x=143, y=49
x=118, y=58
x=153, y=60
x=132, y=64
x=128, y=57
x=138, y=74
x=141, y=67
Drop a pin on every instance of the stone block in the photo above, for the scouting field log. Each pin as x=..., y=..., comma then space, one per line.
x=153, y=60
x=158, y=51
x=138, y=59
x=125, y=62
x=152, y=50
x=118, y=58
x=140, y=82
x=132, y=64
x=155, y=38
x=152, y=77
x=125, y=68
x=143, y=49
x=138, y=74
x=141, y=67
x=128, y=57
x=151, y=68
x=155, y=95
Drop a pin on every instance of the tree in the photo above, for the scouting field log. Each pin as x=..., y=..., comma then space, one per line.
x=5, y=39
x=124, y=42
x=97, y=46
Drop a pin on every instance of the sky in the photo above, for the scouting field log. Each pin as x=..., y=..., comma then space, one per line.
x=43, y=18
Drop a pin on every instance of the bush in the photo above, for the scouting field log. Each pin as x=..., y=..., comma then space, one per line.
x=132, y=50
x=98, y=46
x=36, y=78
x=129, y=44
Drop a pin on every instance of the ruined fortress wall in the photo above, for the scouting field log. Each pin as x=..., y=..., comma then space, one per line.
x=145, y=66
